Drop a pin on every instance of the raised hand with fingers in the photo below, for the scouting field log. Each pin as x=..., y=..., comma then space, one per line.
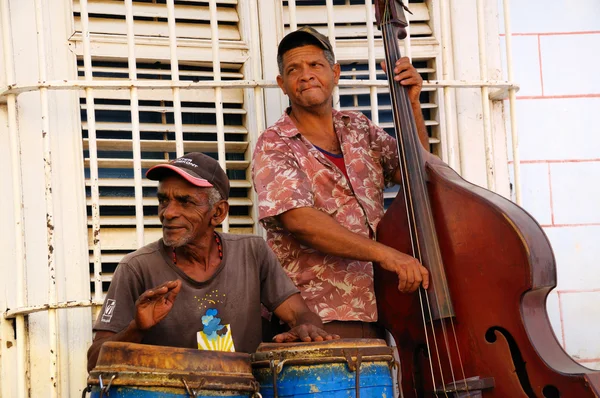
x=407, y=75
x=155, y=304
x=305, y=332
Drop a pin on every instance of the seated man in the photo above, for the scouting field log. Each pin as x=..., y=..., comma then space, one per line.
x=195, y=287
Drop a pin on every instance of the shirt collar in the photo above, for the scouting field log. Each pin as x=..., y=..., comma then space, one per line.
x=285, y=127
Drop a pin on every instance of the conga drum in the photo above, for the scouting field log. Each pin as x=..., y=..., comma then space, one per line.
x=126, y=370
x=335, y=368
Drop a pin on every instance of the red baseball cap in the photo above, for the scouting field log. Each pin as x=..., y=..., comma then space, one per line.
x=196, y=168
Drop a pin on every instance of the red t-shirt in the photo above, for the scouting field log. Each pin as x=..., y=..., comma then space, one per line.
x=338, y=160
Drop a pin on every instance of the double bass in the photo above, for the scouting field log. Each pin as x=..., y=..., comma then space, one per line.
x=481, y=328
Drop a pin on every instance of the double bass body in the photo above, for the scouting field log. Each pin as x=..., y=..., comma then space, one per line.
x=481, y=329
x=499, y=269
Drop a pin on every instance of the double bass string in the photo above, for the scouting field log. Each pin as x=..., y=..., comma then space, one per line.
x=412, y=217
x=446, y=291
x=386, y=28
x=415, y=146
x=388, y=31
x=393, y=49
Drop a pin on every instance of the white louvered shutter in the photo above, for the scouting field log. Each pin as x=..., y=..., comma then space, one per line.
x=108, y=30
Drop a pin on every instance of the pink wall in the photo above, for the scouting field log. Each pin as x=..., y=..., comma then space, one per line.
x=556, y=56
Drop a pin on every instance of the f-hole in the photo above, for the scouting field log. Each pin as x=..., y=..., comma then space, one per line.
x=550, y=392
x=517, y=358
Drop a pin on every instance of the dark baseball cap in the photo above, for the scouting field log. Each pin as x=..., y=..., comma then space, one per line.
x=291, y=39
x=196, y=168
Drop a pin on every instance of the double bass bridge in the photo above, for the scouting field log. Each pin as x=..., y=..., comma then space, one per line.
x=466, y=388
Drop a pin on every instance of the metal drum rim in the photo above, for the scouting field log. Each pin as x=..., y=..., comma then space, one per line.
x=338, y=351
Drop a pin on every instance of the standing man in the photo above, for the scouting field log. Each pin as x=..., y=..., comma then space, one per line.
x=319, y=175
x=196, y=288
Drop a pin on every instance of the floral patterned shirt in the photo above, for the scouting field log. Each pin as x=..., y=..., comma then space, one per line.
x=289, y=172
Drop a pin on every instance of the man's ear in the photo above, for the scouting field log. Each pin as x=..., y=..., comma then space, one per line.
x=280, y=84
x=221, y=209
x=337, y=71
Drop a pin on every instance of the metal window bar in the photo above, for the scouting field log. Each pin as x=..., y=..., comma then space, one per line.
x=331, y=34
x=214, y=25
x=175, y=78
x=448, y=74
x=256, y=68
x=512, y=100
x=372, y=63
x=485, y=99
x=46, y=140
x=17, y=189
x=407, y=40
x=93, y=155
x=135, y=125
x=255, y=104
x=292, y=12
x=77, y=85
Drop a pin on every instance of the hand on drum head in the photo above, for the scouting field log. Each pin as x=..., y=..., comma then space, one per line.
x=154, y=304
x=305, y=332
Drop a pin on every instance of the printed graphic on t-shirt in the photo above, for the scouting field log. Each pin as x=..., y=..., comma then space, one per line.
x=211, y=299
x=214, y=336
x=109, y=310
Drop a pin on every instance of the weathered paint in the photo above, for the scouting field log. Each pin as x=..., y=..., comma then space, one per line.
x=327, y=380
x=153, y=371
x=326, y=369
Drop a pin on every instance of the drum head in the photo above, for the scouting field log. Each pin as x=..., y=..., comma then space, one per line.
x=341, y=349
x=148, y=365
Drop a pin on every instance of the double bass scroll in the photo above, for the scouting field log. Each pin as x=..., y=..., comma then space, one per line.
x=481, y=329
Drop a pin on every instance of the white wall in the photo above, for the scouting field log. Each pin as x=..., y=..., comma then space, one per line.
x=556, y=56
x=68, y=221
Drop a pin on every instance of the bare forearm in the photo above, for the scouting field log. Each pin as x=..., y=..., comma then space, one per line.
x=304, y=324
x=308, y=317
x=294, y=312
x=420, y=123
x=130, y=334
x=320, y=231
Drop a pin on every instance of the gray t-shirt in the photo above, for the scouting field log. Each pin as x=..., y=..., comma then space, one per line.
x=230, y=300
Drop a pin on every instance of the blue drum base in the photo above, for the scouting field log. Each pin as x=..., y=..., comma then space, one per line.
x=328, y=381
